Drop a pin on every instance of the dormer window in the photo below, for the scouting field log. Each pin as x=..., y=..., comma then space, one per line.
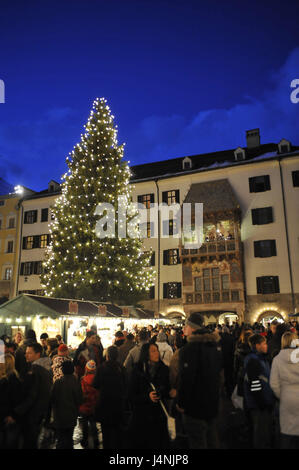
x=53, y=186
x=239, y=154
x=284, y=146
x=187, y=163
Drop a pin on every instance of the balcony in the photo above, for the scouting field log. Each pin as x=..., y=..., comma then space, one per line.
x=220, y=247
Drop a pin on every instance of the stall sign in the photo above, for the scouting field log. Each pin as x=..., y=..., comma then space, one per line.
x=102, y=310
x=125, y=312
x=73, y=307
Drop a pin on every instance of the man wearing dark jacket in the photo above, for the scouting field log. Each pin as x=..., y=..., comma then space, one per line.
x=199, y=382
x=34, y=406
x=87, y=351
x=66, y=399
x=22, y=366
x=258, y=396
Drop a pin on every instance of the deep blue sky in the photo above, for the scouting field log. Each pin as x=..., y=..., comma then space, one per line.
x=181, y=77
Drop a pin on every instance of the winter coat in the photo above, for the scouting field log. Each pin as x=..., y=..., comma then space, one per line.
x=165, y=351
x=148, y=427
x=21, y=365
x=199, y=375
x=44, y=362
x=241, y=351
x=124, y=350
x=174, y=369
x=57, y=366
x=85, y=354
x=257, y=391
x=36, y=395
x=110, y=381
x=284, y=381
x=66, y=398
x=90, y=395
x=133, y=357
x=10, y=396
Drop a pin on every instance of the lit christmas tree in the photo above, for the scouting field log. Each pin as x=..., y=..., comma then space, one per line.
x=78, y=263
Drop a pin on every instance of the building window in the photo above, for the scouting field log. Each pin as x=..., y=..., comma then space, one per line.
x=261, y=216
x=152, y=260
x=27, y=243
x=171, y=197
x=8, y=274
x=258, y=184
x=189, y=298
x=146, y=200
x=30, y=217
x=151, y=294
x=170, y=227
x=9, y=247
x=295, y=175
x=172, y=290
x=2, y=203
x=43, y=241
x=44, y=215
x=171, y=257
x=267, y=285
x=264, y=248
x=11, y=222
x=31, y=267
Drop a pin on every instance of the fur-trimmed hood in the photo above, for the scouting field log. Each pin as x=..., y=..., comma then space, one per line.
x=204, y=336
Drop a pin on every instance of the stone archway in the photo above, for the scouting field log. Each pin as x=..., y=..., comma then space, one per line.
x=228, y=317
x=269, y=315
x=175, y=315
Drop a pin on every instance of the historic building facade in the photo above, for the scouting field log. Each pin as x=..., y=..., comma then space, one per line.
x=248, y=264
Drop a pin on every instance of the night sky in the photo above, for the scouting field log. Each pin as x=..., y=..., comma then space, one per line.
x=182, y=77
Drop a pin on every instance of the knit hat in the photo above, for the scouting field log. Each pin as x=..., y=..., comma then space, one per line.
x=91, y=365
x=62, y=348
x=90, y=333
x=161, y=337
x=195, y=321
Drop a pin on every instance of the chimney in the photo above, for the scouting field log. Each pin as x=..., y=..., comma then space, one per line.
x=253, y=138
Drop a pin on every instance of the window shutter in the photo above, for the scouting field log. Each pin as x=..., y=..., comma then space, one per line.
x=48, y=239
x=179, y=290
x=166, y=257
x=267, y=182
x=22, y=269
x=165, y=290
x=152, y=198
x=36, y=241
x=35, y=216
x=153, y=259
x=259, y=285
x=139, y=199
x=35, y=267
x=254, y=215
x=25, y=218
x=251, y=185
x=273, y=248
x=268, y=215
x=276, y=284
x=165, y=197
x=24, y=243
x=177, y=196
x=178, y=256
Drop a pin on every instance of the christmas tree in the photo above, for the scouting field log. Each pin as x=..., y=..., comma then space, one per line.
x=78, y=263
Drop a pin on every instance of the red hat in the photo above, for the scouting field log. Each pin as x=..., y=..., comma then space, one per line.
x=63, y=348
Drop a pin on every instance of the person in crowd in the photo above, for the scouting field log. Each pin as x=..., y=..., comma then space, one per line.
x=258, y=396
x=134, y=353
x=165, y=350
x=284, y=381
x=110, y=381
x=18, y=338
x=119, y=339
x=271, y=330
x=10, y=397
x=87, y=408
x=66, y=398
x=148, y=427
x=125, y=348
x=52, y=348
x=199, y=383
x=274, y=345
x=59, y=339
x=100, y=348
x=43, y=341
x=22, y=365
x=88, y=350
x=242, y=350
x=36, y=397
x=227, y=348
x=58, y=360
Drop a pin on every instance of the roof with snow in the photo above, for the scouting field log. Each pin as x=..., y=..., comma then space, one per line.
x=205, y=161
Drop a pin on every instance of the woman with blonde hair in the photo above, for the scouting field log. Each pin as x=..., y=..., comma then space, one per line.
x=284, y=381
x=10, y=397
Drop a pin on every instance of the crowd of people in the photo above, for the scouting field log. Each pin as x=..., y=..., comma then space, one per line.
x=127, y=392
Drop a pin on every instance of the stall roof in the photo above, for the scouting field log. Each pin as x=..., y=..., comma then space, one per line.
x=29, y=304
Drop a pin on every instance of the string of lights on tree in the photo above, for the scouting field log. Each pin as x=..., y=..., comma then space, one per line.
x=79, y=264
